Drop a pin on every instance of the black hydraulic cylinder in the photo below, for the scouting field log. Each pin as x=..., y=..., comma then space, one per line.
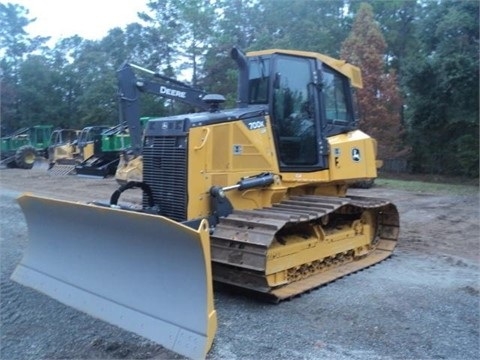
x=254, y=182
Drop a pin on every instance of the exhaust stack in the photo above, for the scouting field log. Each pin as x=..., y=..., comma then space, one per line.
x=242, y=92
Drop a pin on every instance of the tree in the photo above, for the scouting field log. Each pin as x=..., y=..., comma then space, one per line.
x=15, y=45
x=442, y=82
x=235, y=27
x=15, y=42
x=38, y=96
x=379, y=102
x=184, y=30
x=309, y=25
x=396, y=20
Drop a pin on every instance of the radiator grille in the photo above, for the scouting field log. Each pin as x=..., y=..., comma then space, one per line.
x=165, y=171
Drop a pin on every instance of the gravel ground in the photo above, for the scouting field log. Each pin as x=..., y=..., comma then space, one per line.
x=422, y=303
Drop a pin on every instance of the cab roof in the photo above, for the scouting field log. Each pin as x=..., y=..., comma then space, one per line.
x=351, y=71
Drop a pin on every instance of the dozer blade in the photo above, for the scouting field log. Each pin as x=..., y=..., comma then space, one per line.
x=144, y=273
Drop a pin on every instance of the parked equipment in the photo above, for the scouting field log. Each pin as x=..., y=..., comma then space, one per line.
x=67, y=153
x=129, y=168
x=254, y=197
x=130, y=165
x=96, y=151
x=100, y=148
x=21, y=148
x=63, y=148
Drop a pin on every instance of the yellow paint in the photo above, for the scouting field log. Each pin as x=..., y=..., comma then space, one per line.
x=349, y=70
x=298, y=250
x=222, y=154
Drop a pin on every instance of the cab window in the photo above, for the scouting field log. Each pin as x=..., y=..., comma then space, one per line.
x=293, y=110
x=335, y=97
x=259, y=79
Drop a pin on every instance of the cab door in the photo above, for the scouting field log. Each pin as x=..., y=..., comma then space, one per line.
x=296, y=118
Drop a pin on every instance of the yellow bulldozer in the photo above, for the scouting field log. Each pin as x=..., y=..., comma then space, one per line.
x=253, y=197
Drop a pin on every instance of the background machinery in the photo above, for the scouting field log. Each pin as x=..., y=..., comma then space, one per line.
x=21, y=148
x=130, y=167
x=63, y=149
x=70, y=148
x=253, y=197
x=100, y=147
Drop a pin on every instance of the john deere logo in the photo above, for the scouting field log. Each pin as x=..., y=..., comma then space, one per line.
x=355, y=155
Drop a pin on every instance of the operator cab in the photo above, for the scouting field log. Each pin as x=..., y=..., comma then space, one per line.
x=307, y=100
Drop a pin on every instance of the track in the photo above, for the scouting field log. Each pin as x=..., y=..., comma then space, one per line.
x=302, y=243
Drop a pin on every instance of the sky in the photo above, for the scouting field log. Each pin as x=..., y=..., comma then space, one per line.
x=90, y=19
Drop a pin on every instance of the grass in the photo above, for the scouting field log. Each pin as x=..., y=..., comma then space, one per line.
x=429, y=185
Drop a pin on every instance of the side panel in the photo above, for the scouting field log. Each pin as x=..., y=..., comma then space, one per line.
x=352, y=156
x=221, y=154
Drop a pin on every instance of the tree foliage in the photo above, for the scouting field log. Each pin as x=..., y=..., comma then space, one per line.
x=425, y=50
x=15, y=45
x=442, y=86
x=379, y=102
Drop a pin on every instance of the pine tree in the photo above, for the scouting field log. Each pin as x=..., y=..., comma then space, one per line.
x=379, y=102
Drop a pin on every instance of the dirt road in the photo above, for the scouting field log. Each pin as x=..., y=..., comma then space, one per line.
x=422, y=303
